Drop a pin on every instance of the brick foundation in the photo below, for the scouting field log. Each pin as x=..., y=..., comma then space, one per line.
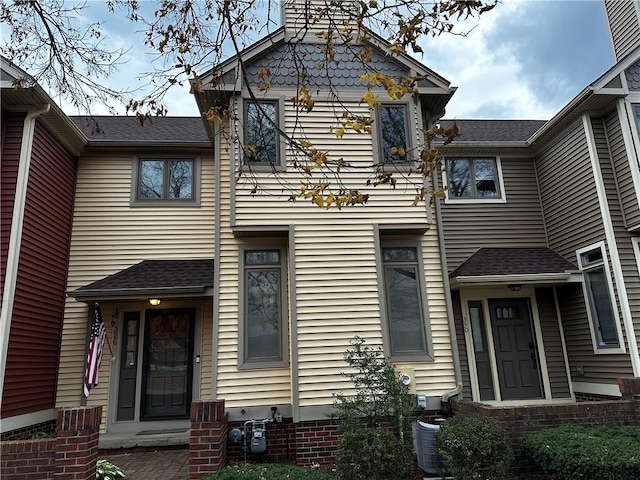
x=71, y=455
x=27, y=433
x=316, y=442
x=520, y=420
x=208, y=438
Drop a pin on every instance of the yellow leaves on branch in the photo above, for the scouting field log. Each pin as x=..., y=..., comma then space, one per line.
x=357, y=123
x=395, y=89
x=304, y=101
x=317, y=194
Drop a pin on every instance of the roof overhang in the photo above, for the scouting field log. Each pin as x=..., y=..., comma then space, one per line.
x=537, y=279
x=89, y=296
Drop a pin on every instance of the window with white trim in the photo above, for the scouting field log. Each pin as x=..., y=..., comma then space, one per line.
x=636, y=109
x=473, y=178
x=406, y=318
x=166, y=180
x=262, y=307
x=598, y=290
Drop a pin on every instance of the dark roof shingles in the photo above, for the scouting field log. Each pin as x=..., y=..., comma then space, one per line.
x=155, y=274
x=128, y=129
x=494, y=130
x=512, y=261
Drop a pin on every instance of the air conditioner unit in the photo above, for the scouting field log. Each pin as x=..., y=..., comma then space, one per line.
x=424, y=442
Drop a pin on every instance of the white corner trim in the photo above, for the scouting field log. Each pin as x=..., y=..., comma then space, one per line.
x=597, y=388
x=627, y=319
x=15, y=237
x=20, y=421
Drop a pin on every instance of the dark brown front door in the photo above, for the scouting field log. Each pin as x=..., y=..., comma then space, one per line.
x=168, y=363
x=516, y=352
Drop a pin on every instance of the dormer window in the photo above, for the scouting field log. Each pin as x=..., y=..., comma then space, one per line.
x=473, y=179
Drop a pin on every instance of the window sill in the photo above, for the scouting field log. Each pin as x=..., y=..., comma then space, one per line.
x=467, y=201
x=421, y=358
x=257, y=365
x=165, y=203
x=609, y=350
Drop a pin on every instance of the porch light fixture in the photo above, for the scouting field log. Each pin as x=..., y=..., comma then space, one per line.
x=155, y=301
x=514, y=287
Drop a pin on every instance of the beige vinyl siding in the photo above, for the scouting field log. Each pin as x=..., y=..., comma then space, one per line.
x=551, y=337
x=239, y=388
x=109, y=235
x=568, y=193
x=386, y=205
x=622, y=169
x=296, y=13
x=516, y=223
x=623, y=25
x=336, y=285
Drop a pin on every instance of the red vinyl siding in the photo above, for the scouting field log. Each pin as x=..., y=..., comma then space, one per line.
x=10, y=154
x=36, y=326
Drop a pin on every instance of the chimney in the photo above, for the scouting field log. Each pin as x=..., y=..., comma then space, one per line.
x=305, y=19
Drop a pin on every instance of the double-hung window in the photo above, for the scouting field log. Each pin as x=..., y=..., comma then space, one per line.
x=166, y=179
x=473, y=178
x=404, y=302
x=261, y=139
x=393, y=133
x=598, y=290
x=263, y=293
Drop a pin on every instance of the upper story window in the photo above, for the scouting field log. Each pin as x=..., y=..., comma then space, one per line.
x=264, y=329
x=393, y=133
x=406, y=319
x=637, y=110
x=473, y=179
x=166, y=179
x=261, y=138
x=598, y=289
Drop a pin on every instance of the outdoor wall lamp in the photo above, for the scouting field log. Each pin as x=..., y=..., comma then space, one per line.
x=155, y=301
x=514, y=287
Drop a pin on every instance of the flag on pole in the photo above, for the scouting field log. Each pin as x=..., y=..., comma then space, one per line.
x=94, y=355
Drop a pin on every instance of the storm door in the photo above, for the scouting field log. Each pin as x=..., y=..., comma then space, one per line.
x=515, y=349
x=168, y=364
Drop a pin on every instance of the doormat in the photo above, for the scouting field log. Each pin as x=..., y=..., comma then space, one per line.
x=160, y=432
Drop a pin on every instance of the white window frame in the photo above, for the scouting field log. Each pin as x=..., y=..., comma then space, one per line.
x=453, y=200
x=597, y=348
x=251, y=364
x=427, y=355
x=281, y=144
x=165, y=202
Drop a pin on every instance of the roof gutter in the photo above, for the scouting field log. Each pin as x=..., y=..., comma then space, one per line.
x=15, y=237
x=121, y=293
x=534, y=278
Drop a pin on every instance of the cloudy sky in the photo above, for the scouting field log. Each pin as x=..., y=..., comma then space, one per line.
x=524, y=59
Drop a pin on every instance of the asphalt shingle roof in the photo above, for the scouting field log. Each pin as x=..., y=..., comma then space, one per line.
x=156, y=274
x=128, y=129
x=512, y=261
x=495, y=130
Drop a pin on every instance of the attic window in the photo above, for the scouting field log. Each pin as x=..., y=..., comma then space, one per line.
x=261, y=145
x=392, y=133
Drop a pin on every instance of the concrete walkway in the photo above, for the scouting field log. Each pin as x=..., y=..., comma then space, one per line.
x=167, y=464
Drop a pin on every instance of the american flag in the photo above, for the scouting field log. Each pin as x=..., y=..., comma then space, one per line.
x=94, y=356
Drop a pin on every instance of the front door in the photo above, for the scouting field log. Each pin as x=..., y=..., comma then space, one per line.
x=168, y=364
x=515, y=349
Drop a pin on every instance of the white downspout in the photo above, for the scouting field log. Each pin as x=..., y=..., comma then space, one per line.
x=15, y=238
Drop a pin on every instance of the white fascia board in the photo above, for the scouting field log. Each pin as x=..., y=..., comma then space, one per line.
x=536, y=278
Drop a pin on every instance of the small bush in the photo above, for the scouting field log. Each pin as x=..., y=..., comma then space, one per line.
x=105, y=470
x=370, y=454
x=472, y=448
x=268, y=472
x=575, y=452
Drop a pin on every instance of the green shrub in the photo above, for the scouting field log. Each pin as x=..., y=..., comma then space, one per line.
x=268, y=472
x=575, y=452
x=376, y=420
x=370, y=454
x=106, y=470
x=472, y=448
